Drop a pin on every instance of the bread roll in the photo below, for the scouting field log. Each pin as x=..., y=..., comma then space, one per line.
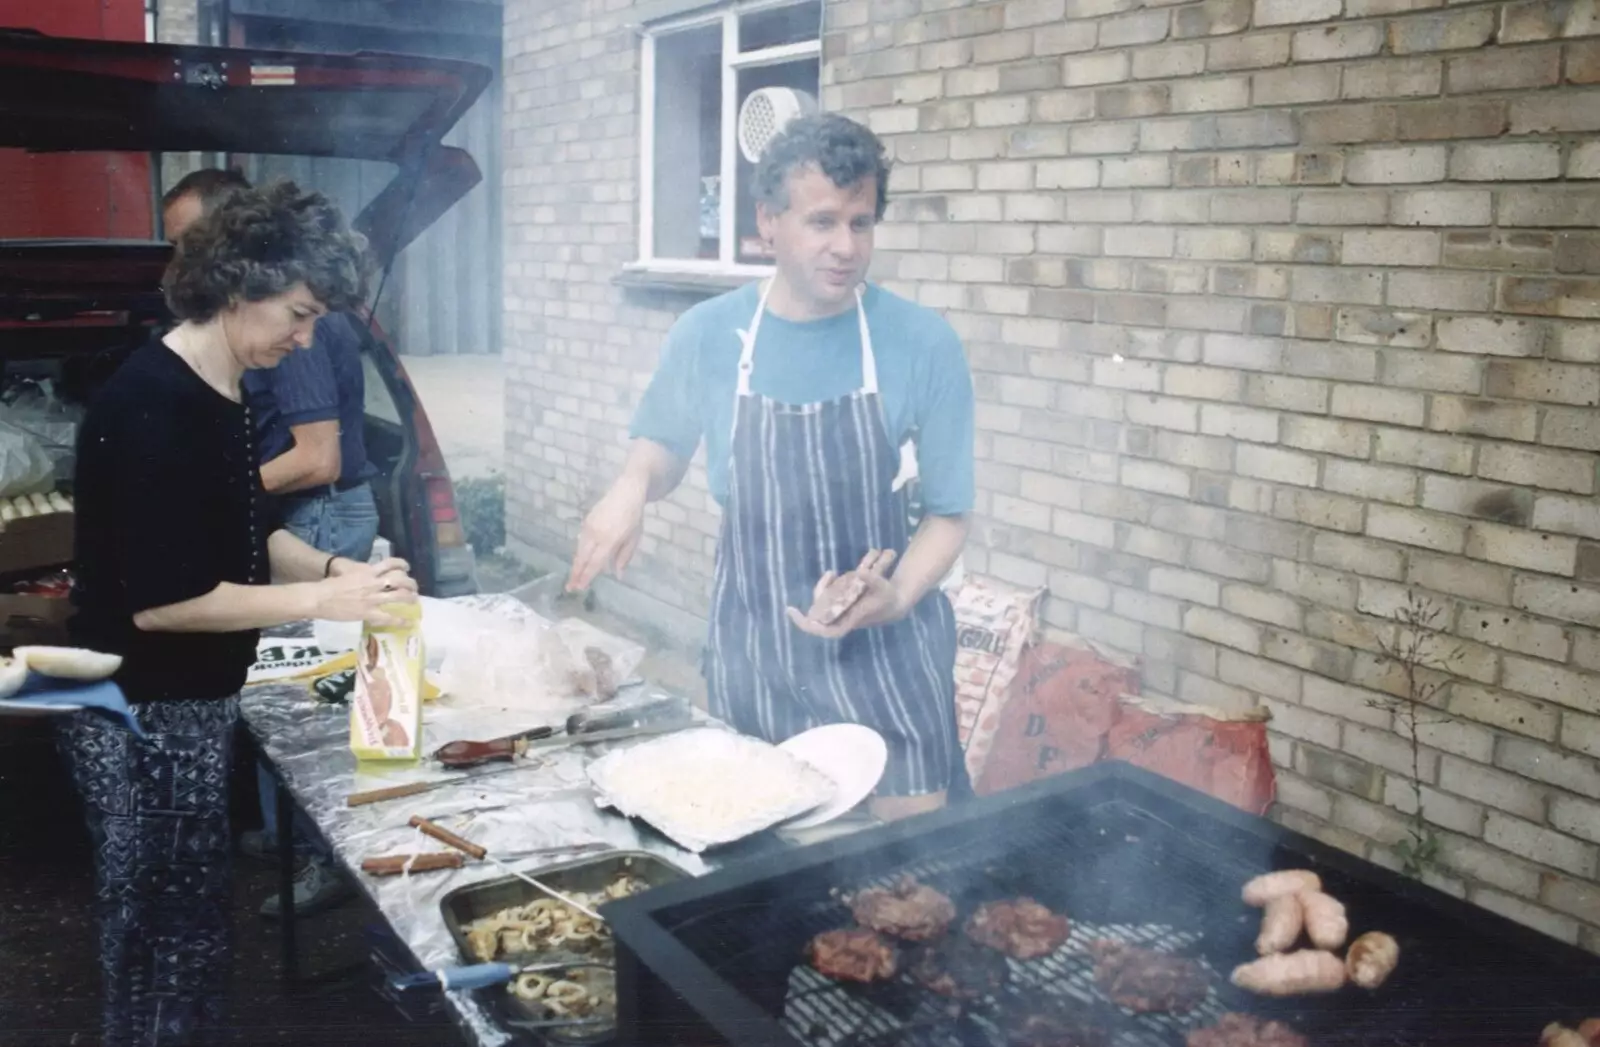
x=69, y=663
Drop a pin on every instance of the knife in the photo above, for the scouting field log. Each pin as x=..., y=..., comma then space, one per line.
x=395, y=792
x=471, y=754
x=582, y=728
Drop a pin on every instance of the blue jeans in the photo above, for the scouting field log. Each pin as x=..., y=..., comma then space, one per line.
x=340, y=524
x=345, y=524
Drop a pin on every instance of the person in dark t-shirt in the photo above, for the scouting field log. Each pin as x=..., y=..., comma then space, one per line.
x=176, y=553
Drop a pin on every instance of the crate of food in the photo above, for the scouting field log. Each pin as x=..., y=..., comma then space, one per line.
x=36, y=531
x=510, y=921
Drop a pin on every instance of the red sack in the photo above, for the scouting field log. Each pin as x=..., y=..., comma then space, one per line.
x=1217, y=753
x=1061, y=706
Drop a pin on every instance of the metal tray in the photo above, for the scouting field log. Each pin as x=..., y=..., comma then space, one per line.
x=474, y=901
x=810, y=788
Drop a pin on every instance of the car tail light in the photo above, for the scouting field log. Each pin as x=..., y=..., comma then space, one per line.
x=442, y=507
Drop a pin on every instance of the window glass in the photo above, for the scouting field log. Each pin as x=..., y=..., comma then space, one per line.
x=775, y=27
x=688, y=143
x=799, y=76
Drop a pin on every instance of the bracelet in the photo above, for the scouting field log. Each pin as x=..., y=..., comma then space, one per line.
x=327, y=568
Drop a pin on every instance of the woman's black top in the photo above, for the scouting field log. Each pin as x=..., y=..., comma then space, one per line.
x=169, y=504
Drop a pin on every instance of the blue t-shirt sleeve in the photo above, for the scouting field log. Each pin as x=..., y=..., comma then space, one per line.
x=305, y=386
x=944, y=419
x=669, y=412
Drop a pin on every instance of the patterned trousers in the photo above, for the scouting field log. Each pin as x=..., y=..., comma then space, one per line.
x=157, y=810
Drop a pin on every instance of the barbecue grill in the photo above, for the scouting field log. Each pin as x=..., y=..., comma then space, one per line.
x=1128, y=856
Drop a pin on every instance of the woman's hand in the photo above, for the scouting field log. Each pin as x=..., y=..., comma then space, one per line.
x=357, y=592
x=881, y=603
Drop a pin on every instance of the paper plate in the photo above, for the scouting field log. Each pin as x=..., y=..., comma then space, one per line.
x=852, y=755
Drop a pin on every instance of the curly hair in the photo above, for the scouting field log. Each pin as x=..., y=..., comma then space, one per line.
x=842, y=149
x=257, y=243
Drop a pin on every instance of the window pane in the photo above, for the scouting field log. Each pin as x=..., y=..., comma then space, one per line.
x=801, y=76
x=784, y=25
x=688, y=142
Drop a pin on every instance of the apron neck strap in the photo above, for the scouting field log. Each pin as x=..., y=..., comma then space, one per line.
x=747, y=353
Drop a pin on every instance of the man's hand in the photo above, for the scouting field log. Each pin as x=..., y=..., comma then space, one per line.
x=610, y=534
x=881, y=603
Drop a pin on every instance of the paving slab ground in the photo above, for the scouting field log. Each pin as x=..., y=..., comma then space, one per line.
x=465, y=400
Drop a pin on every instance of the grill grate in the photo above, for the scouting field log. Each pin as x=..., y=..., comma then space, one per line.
x=823, y=1013
x=1124, y=856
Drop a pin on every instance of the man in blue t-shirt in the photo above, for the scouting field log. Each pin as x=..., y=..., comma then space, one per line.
x=817, y=396
x=310, y=414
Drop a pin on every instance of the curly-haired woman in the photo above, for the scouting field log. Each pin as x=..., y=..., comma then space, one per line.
x=176, y=562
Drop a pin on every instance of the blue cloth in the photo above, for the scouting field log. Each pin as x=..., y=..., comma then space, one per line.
x=102, y=695
x=923, y=378
x=320, y=384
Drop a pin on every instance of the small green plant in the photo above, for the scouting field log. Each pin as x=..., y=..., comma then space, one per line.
x=481, y=500
x=1424, y=656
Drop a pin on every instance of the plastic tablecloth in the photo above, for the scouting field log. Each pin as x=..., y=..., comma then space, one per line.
x=547, y=804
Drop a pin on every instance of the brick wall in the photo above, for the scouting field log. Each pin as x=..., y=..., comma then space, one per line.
x=1277, y=312
x=578, y=349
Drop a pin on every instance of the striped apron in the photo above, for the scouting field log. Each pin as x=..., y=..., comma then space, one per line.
x=811, y=490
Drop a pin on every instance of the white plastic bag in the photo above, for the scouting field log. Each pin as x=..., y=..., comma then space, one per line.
x=32, y=410
x=24, y=466
x=532, y=667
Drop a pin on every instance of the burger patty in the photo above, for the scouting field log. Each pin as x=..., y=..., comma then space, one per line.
x=958, y=968
x=1245, y=1030
x=852, y=955
x=909, y=910
x=1147, y=981
x=1021, y=928
x=1038, y=1019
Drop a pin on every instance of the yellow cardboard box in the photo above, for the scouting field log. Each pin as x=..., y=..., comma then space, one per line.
x=386, y=708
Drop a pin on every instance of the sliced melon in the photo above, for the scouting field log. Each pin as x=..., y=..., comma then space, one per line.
x=13, y=671
x=70, y=663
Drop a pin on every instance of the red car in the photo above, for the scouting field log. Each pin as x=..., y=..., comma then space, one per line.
x=84, y=288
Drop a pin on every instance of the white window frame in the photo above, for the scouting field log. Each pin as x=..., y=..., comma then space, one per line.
x=733, y=61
